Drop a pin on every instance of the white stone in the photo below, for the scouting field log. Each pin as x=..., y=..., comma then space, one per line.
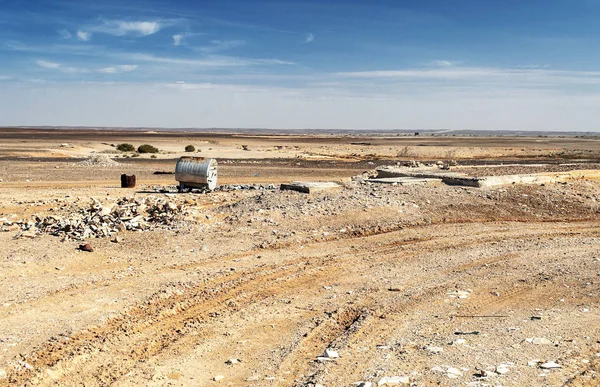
x=434, y=349
x=453, y=373
x=331, y=354
x=2, y=374
x=393, y=380
x=550, y=365
x=540, y=341
x=502, y=369
x=232, y=361
x=218, y=378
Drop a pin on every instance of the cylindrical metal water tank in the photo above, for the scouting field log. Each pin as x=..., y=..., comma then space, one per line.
x=196, y=172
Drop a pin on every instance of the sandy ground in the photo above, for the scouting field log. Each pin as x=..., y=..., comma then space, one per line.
x=438, y=285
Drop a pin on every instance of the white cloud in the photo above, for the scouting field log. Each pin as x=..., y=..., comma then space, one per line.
x=83, y=36
x=134, y=28
x=47, y=65
x=443, y=63
x=210, y=61
x=533, y=66
x=177, y=39
x=64, y=34
x=57, y=66
x=309, y=38
x=117, y=69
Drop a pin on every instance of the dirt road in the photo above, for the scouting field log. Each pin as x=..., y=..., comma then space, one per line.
x=379, y=300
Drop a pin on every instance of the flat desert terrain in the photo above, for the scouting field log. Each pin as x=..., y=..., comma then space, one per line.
x=368, y=284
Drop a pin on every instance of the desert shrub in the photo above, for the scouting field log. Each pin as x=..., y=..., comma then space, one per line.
x=153, y=156
x=125, y=147
x=147, y=148
x=190, y=148
x=135, y=155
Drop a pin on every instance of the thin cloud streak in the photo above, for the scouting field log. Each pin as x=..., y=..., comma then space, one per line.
x=131, y=28
x=480, y=73
x=47, y=64
x=118, y=69
x=211, y=61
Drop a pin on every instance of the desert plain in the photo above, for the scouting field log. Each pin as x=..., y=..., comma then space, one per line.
x=421, y=284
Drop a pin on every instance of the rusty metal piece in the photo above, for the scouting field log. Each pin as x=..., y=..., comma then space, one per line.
x=127, y=181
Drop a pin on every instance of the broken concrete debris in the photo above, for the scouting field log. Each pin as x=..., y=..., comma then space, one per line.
x=98, y=220
x=419, y=173
x=310, y=187
x=100, y=161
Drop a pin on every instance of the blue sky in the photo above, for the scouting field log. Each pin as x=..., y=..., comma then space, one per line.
x=302, y=64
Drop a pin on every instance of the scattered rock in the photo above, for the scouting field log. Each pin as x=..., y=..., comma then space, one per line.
x=539, y=341
x=393, y=380
x=218, y=378
x=331, y=354
x=364, y=384
x=86, y=247
x=435, y=350
x=458, y=333
x=458, y=294
x=102, y=161
x=550, y=365
x=502, y=369
x=453, y=373
x=97, y=220
x=233, y=361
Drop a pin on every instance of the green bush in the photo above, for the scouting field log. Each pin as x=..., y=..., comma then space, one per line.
x=190, y=148
x=147, y=148
x=126, y=147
